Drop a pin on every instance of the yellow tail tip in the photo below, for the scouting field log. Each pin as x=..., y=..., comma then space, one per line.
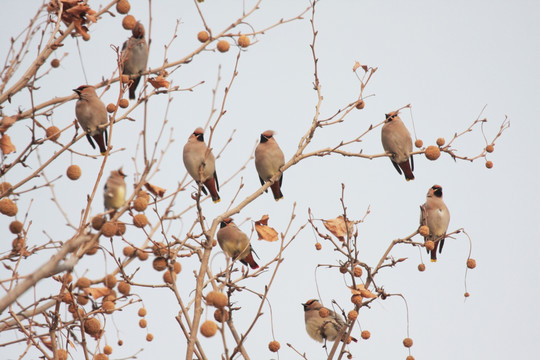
x=216, y=201
x=103, y=153
x=433, y=260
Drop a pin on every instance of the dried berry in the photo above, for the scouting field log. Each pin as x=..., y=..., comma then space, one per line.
x=129, y=22
x=169, y=277
x=217, y=299
x=352, y=315
x=8, y=207
x=97, y=222
x=15, y=227
x=418, y=143
x=407, y=342
x=356, y=299
x=159, y=264
x=489, y=164
x=489, y=148
x=357, y=271
x=471, y=263
x=108, y=349
x=143, y=323
x=149, y=337
x=92, y=326
x=123, y=103
x=208, y=328
x=142, y=255
x=360, y=104
x=366, y=335
x=221, y=315
x=123, y=6
x=108, y=307
x=73, y=172
x=203, y=36
x=129, y=251
x=177, y=267
x=140, y=220
x=440, y=141
x=111, y=108
x=110, y=281
x=55, y=63
x=142, y=312
x=108, y=229
x=432, y=152
x=430, y=245
x=273, y=346
x=421, y=267
x=140, y=203
x=423, y=230
x=244, y=41
x=323, y=312
x=223, y=46
x=124, y=288
x=83, y=283
x=318, y=246
x=52, y=133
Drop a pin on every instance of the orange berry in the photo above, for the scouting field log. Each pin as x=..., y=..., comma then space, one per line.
x=4, y=187
x=55, y=63
x=466, y=294
x=18, y=244
x=357, y=271
x=142, y=312
x=142, y=255
x=244, y=41
x=418, y=143
x=8, y=207
x=318, y=246
x=111, y=108
x=366, y=335
x=471, y=263
x=489, y=148
x=440, y=141
x=430, y=245
x=108, y=307
x=143, y=323
x=140, y=220
x=149, y=337
x=356, y=299
x=52, y=133
x=407, y=342
x=217, y=299
x=423, y=230
x=421, y=267
x=123, y=103
x=352, y=315
x=343, y=269
x=82, y=299
x=129, y=251
x=61, y=354
x=410, y=357
x=203, y=36
x=208, y=328
x=110, y=281
x=223, y=46
x=323, y=312
x=92, y=326
x=169, y=277
x=15, y=227
x=120, y=342
x=123, y=6
x=129, y=22
x=360, y=104
x=108, y=349
x=124, y=288
x=97, y=222
x=125, y=78
x=159, y=264
x=274, y=346
x=177, y=267
x=101, y=356
x=221, y=315
x=73, y=172
x=120, y=228
x=140, y=203
x=489, y=164
x=143, y=194
x=160, y=249
x=432, y=152
x=83, y=283
x=108, y=229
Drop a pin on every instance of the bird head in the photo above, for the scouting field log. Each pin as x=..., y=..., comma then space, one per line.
x=138, y=31
x=198, y=134
x=311, y=304
x=267, y=135
x=390, y=116
x=225, y=222
x=436, y=190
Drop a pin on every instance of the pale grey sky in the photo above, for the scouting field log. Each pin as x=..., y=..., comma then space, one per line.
x=448, y=60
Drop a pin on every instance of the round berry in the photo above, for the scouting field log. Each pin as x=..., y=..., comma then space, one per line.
x=423, y=230
x=432, y=152
x=73, y=172
x=323, y=312
x=140, y=220
x=318, y=246
x=489, y=148
x=15, y=227
x=111, y=108
x=208, y=328
x=123, y=6
x=159, y=264
x=129, y=22
x=440, y=141
x=357, y=271
x=352, y=315
x=418, y=143
x=421, y=267
x=108, y=229
x=203, y=36
x=360, y=104
x=223, y=46
x=489, y=164
x=366, y=335
x=140, y=204
x=52, y=133
x=273, y=346
x=221, y=315
x=8, y=207
x=430, y=245
x=471, y=263
x=244, y=41
x=92, y=326
x=407, y=342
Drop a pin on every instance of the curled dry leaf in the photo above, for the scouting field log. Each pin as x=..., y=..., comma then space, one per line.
x=96, y=293
x=6, y=146
x=156, y=190
x=356, y=66
x=6, y=123
x=264, y=231
x=159, y=81
x=76, y=12
x=337, y=227
x=361, y=290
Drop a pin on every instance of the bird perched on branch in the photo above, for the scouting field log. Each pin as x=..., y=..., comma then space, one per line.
x=114, y=192
x=322, y=328
x=268, y=160
x=397, y=141
x=197, y=154
x=435, y=215
x=134, y=57
x=92, y=115
x=235, y=243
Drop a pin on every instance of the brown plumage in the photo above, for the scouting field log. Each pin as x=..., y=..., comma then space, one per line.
x=397, y=141
x=435, y=215
x=91, y=115
x=114, y=192
x=134, y=57
x=320, y=328
x=195, y=155
x=268, y=160
x=235, y=243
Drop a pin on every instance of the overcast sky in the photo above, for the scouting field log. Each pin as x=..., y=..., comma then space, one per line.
x=447, y=59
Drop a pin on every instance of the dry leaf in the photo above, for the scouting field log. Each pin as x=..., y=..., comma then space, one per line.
x=264, y=231
x=6, y=146
x=356, y=66
x=47, y=342
x=337, y=227
x=156, y=190
x=159, y=81
x=96, y=293
x=6, y=123
x=361, y=290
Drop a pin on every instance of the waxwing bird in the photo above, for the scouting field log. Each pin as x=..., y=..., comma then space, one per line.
x=319, y=328
x=134, y=57
x=397, y=141
x=235, y=243
x=114, y=192
x=268, y=160
x=91, y=115
x=197, y=154
x=435, y=215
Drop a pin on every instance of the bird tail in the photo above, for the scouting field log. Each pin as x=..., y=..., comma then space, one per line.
x=133, y=87
x=249, y=260
x=276, y=190
x=210, y=184
x=406, y=167
x=100, y=140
